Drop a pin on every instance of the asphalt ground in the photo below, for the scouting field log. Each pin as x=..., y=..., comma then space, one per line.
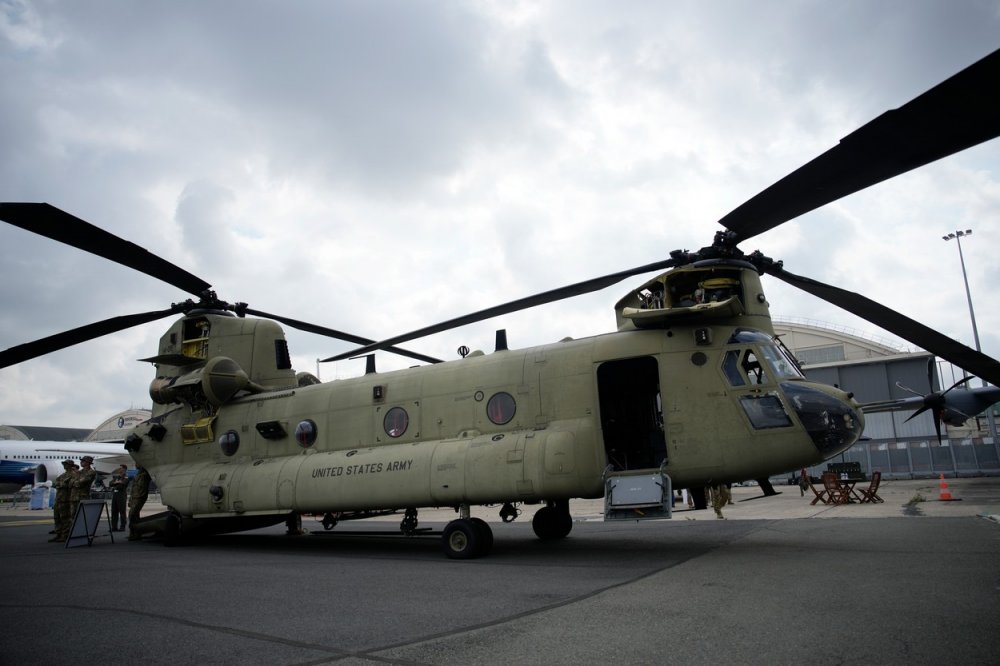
x=780, y=581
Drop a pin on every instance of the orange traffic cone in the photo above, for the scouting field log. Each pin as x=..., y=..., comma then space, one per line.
x=945, y=493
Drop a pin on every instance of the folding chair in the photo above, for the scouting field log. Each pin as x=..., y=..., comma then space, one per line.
x=820, y=495
x=871, y=494
x=836, y=493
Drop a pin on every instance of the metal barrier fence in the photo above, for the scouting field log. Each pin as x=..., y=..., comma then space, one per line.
x=923, y=458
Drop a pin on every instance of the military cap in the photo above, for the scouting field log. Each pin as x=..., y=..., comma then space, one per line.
x=68, y=463
x=89, y=459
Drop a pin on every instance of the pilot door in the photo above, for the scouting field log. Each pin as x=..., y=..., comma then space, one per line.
x=632, y=413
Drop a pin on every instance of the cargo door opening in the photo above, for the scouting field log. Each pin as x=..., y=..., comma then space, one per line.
x=632, y=413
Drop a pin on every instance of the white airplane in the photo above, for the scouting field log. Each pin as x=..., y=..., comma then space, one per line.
x=32, y=462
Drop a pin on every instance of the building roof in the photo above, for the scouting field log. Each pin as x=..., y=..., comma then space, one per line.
x=815, y=343
x=43, y=433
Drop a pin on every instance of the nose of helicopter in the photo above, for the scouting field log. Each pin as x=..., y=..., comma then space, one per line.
x=829, y=415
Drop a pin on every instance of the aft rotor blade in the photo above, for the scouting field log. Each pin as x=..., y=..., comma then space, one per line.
x=922, y=336
x=51, y=222
x=577, y=289
x=339, y=335
x=954, y=115
x=30, y=350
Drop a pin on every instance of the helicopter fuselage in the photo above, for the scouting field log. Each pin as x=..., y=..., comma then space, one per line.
x=707, y=399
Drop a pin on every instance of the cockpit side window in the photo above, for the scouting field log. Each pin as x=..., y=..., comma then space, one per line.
x=742, y=367
x=731, y=368
x=753, y=369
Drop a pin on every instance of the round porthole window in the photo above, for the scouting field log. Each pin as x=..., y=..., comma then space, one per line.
x=229, y=441
x=395, y=422
x=305, y=433
x=500, y=408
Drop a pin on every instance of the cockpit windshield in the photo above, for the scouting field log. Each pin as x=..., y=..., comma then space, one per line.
x=782, y=366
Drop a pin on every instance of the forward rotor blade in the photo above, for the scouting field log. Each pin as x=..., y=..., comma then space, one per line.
x=954, y=115
x=30, y=350
x=577, y=289
x=339, y=335
x=51, y=222
x=922, y=336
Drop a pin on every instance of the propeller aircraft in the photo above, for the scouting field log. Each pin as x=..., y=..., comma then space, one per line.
x=691, y=390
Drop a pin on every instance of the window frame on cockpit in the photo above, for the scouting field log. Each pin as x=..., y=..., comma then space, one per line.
x=758, y=353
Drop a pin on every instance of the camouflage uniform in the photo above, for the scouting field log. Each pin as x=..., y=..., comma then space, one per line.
x=137, y=498
x=80, y=487
x=720, y=496
x=119, y=484
x=60, y=511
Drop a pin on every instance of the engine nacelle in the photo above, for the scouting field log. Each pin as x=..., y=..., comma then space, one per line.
x=48, y=471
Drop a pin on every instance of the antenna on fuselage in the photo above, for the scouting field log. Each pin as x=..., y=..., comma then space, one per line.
x=501, y=344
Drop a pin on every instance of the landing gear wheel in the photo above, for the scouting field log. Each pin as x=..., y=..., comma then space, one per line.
x=328, y=522
x=172, y=530
x=485, y=535
x=552, y=522
x=408, y=525
x=462, y=540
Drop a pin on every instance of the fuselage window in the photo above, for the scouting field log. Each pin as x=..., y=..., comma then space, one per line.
x=305, y=433
x=500, y=408
x=229, y=442
x=395, y=422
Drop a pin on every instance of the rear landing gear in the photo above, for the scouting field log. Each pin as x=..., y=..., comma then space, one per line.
x=553, y=521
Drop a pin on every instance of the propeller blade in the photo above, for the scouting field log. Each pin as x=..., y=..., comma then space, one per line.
x=957, y=114
x=918, y=413
x=30, y=350
x=51, y=222
x=577, y=289
x=339, y=335
x=913, y=331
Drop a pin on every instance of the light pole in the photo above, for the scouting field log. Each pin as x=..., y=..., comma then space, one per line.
x=958, y=235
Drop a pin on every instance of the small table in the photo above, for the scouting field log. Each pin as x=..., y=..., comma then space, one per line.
x=847, y=483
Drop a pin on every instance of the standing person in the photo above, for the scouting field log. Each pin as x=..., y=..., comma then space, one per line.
x=119, y=484
x=720, y=495
x=137, y=497
x=80, y=487
x=60, y=512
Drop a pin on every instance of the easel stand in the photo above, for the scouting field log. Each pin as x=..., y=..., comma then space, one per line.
x=86, y=521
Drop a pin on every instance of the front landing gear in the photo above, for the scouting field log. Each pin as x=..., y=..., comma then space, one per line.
x=553, y=520
x=467, y=538
x=408, y=525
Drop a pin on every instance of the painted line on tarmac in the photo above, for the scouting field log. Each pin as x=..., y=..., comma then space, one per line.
x=17, y=523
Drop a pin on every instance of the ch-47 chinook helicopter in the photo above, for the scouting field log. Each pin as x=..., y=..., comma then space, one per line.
x=692, y=389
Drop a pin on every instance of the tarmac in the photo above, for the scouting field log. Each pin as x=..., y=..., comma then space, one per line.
x=912, y=580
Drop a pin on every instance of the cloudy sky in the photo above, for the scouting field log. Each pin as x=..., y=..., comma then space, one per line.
x=376, y=167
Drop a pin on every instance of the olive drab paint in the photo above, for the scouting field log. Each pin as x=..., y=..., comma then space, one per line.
x=655, y=394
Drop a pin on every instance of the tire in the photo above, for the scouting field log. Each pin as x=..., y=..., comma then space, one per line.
x=485, y=535
x=172, y=530
x=551, y=523
x=461, y=540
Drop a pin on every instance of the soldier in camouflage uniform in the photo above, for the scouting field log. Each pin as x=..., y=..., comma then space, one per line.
x=137, y=498
x=119, y=484
x=80, y=487
x=720, y=497
x=60, y=511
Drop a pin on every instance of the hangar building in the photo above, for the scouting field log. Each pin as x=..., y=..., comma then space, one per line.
x=870, y=368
